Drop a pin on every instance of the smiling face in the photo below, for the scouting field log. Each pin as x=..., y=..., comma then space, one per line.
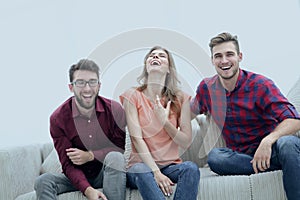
x=226, y=60
x=85, y=97
x=157, y=60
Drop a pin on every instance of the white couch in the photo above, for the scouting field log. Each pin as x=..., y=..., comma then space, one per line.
x=20, y=165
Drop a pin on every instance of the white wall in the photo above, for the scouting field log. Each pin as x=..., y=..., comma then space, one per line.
x=40, y=39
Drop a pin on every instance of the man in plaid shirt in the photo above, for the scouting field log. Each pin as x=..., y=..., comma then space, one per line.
x=256, y=120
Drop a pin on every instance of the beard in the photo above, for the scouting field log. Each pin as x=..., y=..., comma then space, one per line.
x=234, y=72
x=85, y=105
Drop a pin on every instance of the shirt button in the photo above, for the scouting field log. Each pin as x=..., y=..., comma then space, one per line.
x=89, y=121
x=90, y=136
x=228, y=109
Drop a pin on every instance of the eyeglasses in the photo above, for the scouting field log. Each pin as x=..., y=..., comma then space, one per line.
x=82, y=83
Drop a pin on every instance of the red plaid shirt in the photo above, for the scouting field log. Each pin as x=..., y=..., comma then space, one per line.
x=248, y=113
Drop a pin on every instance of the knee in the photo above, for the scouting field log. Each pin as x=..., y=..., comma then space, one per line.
x=288, y=145
x=213, y=157
x=42, y=181
x=191, y=168
x=115, y=160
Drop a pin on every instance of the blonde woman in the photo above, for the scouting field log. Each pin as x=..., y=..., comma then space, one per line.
x=158, y=120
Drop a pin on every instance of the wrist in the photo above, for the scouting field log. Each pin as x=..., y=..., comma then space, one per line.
x=88, y=190
x=91, y=156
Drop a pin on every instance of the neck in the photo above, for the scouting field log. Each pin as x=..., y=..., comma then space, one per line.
x=155, y=84
x=84, y=111
x=229, y=84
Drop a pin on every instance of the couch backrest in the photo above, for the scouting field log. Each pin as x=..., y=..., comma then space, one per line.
x=294, y=97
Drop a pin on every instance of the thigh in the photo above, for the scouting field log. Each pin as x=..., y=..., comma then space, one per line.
x=135, y=171
x=61, y=182
x=174, y=170
x=225, y=161
x=285, y=149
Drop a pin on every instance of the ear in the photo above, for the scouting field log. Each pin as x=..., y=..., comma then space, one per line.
x=240, y=56
x=70, y=87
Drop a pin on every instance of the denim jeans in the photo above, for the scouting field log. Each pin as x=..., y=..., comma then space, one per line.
x=186, y=175
x=285, y=156
x=112, y=178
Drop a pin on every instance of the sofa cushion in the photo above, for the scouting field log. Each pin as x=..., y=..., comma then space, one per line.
x=213, y=186
x=267, y=186
x=51, y=163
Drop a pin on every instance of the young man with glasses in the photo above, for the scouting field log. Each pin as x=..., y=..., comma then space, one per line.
x=88, y=132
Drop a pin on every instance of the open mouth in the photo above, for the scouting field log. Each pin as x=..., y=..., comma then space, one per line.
x=87, y=97
x=155, y=62
x=226, y=68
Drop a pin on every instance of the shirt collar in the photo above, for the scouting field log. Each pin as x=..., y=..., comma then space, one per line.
x=241, y=79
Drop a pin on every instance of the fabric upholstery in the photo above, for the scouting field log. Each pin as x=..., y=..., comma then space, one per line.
x=213, y=186
x=51, y=163
x=264, y=184
x=19, y=166
x=294, y=97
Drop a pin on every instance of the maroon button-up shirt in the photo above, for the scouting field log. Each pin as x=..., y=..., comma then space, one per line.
x=102, y=133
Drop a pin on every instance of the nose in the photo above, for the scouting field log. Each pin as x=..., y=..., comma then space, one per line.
x=87, y=86
x=155, y=56
x=224, y=59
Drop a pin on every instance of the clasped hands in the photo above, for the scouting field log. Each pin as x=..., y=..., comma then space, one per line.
x=160, y=112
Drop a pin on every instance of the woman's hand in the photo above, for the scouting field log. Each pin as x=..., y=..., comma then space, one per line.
x=164, y=183
x=160, y=112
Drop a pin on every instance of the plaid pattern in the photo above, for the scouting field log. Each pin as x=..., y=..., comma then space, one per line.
x=248, y=113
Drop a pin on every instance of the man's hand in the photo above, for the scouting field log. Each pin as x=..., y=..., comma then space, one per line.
x=79, y=157
x=93, y=194
x=164, y=183
x=262, y=156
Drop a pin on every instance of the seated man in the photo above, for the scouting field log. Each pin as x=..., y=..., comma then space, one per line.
x=88, y=132
x=256, y=120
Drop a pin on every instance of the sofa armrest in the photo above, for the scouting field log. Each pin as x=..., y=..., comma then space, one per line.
x=206, y=135
x=19, y=166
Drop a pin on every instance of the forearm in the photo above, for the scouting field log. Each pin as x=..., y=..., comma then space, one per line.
x=144, y=153
x=100, y=154
x=181, y=136
x=286, y=127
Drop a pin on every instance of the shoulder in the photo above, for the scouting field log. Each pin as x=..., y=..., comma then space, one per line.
x=63, y=111
x=132, y=94
x=258, y=80
x=209, y=81
x=183, y=96
x=109, y=103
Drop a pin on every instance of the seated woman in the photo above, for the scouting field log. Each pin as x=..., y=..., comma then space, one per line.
x=159, y=122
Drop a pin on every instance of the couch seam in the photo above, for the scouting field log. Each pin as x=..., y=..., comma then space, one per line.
x=251, y=188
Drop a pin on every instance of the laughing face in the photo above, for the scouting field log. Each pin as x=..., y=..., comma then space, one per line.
x=85, y=97
x=226, y=60
x=158, y=61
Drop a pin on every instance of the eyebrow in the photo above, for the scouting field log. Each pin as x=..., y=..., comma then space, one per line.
x=159, y=53
x=227, y=52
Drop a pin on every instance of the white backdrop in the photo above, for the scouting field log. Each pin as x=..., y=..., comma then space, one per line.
x=40, y=39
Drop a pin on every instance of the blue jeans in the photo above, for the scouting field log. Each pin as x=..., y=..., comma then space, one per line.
x=186, y=175
x=112, y=178
x=285, y=156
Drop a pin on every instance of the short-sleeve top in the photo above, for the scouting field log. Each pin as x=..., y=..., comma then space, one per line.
x=161, y=146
